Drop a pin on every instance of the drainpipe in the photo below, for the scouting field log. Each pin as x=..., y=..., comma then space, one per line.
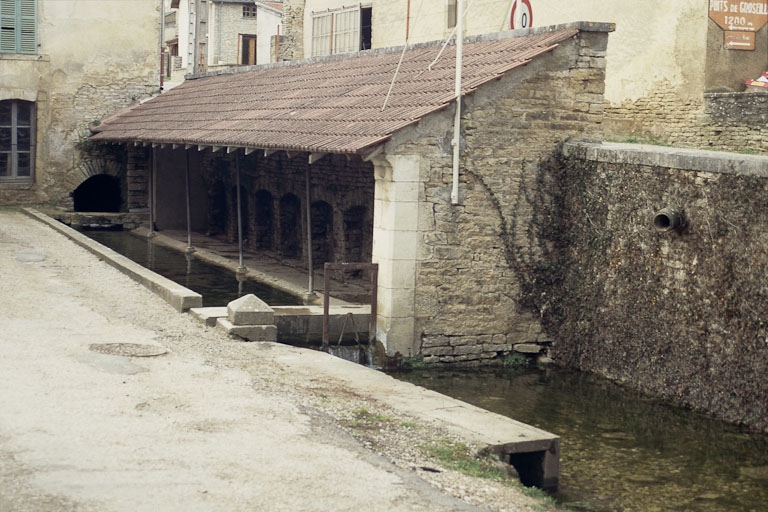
x=241, y=268
x=457, y=120
x=311, y=285
x=190, y=249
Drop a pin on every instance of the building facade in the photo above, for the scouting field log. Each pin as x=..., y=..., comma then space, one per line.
x=63, y=66
x=203, y=35
x=668, y=65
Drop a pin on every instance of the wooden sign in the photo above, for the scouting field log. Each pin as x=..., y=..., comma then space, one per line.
x=735, y=16
x=739, y=40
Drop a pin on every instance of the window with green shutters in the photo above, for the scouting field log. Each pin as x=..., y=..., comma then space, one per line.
x=18, y=26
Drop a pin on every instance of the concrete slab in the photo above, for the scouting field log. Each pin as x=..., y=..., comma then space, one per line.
x=208, y=316
x=250, y=310
x=248, y=332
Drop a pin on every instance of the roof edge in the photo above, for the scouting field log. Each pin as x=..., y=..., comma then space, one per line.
x=581, y=26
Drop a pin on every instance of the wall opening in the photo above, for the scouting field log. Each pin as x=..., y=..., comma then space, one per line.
x=290, y=228
x=263, y=219
x=100, y=193
x=354, y=234
x=322, y=232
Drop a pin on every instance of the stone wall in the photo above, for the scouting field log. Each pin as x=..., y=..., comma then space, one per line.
x=75, y=83
x=292, y=44
x=679, y=313
x=468, y=285
x=343, y=184
x=733, y=121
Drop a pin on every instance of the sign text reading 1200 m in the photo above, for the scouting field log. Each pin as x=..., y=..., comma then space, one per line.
x=739, y=16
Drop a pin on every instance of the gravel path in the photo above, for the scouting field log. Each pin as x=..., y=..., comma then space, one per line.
x=212, y=424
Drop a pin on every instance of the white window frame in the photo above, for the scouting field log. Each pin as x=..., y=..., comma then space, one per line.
x=337, y=31
x=9, y=155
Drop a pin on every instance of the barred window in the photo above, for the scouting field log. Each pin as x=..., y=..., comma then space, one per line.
x=18, y=26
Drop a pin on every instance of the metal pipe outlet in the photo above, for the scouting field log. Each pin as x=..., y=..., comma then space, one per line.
x=668, y=219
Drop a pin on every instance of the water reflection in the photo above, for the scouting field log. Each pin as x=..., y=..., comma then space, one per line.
x=620, y=450
x=217, y=285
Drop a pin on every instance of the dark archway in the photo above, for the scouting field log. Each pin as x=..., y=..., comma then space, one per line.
x=263, y=220
x=355, y=234
x=217, y=208
x=322, y=232
x=290, y=227
x=100, y=193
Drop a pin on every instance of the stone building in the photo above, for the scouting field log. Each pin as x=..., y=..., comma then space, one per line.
x=207, y=34
x=674, y=74
x=356, y=151
x=64, y=65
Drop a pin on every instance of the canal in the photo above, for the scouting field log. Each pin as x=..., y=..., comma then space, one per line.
x=621, y=451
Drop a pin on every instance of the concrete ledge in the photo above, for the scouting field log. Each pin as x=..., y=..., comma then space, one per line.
x=668, y=157
x=181, y=298
x=535, y=453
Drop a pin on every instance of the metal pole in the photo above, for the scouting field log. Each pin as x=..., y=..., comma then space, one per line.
x=190, y=249
x=310, y=267
x=457, y=121
x=152, y=172
x=241, y=268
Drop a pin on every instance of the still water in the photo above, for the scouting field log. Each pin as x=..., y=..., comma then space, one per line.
x=622, y=451
x=217, y=285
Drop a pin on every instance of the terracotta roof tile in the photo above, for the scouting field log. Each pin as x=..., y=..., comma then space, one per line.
x=321, y=105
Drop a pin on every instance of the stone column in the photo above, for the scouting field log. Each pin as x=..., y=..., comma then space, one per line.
x=395, y=249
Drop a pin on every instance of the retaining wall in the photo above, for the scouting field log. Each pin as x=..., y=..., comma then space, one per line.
x=679, y=313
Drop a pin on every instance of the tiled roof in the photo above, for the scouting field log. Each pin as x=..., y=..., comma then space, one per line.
x=332, y=105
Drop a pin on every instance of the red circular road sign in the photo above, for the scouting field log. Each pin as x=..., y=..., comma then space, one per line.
x=522, y=15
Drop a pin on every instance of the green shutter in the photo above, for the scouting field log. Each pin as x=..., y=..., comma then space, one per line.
x=8, y=26
x=18, y=26
x=28, y=33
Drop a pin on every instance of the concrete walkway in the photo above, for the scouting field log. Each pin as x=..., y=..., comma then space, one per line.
x=88, y=423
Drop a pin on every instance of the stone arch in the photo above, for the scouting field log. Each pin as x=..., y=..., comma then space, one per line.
x=322, y=232
x=263, y=220
x=290, y=226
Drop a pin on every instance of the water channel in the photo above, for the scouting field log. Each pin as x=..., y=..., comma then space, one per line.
x=621, y=451
x=217, y=285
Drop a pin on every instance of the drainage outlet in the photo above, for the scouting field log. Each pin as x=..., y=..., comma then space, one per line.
x=128, y=349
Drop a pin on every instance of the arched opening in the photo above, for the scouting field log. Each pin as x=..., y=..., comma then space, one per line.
x=354, y=234
x=100, y=193
x=217, y=209
x=322, y=232
x=290, y=228
x=263, y=220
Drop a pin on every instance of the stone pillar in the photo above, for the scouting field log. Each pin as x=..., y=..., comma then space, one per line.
x=395, y=249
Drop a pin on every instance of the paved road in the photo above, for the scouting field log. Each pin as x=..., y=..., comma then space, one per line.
x=211, y=425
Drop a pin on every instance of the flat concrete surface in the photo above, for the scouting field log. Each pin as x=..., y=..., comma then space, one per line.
x=90, y=420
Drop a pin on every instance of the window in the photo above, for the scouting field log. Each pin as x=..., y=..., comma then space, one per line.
x=18, y=26
x=17, y=141
x=343, y=31
x=452, y=8
x=249, y=11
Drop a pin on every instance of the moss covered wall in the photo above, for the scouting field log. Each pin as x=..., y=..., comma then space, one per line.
x=680, y=314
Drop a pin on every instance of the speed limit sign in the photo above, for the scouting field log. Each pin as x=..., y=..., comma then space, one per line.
x=522, y=15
